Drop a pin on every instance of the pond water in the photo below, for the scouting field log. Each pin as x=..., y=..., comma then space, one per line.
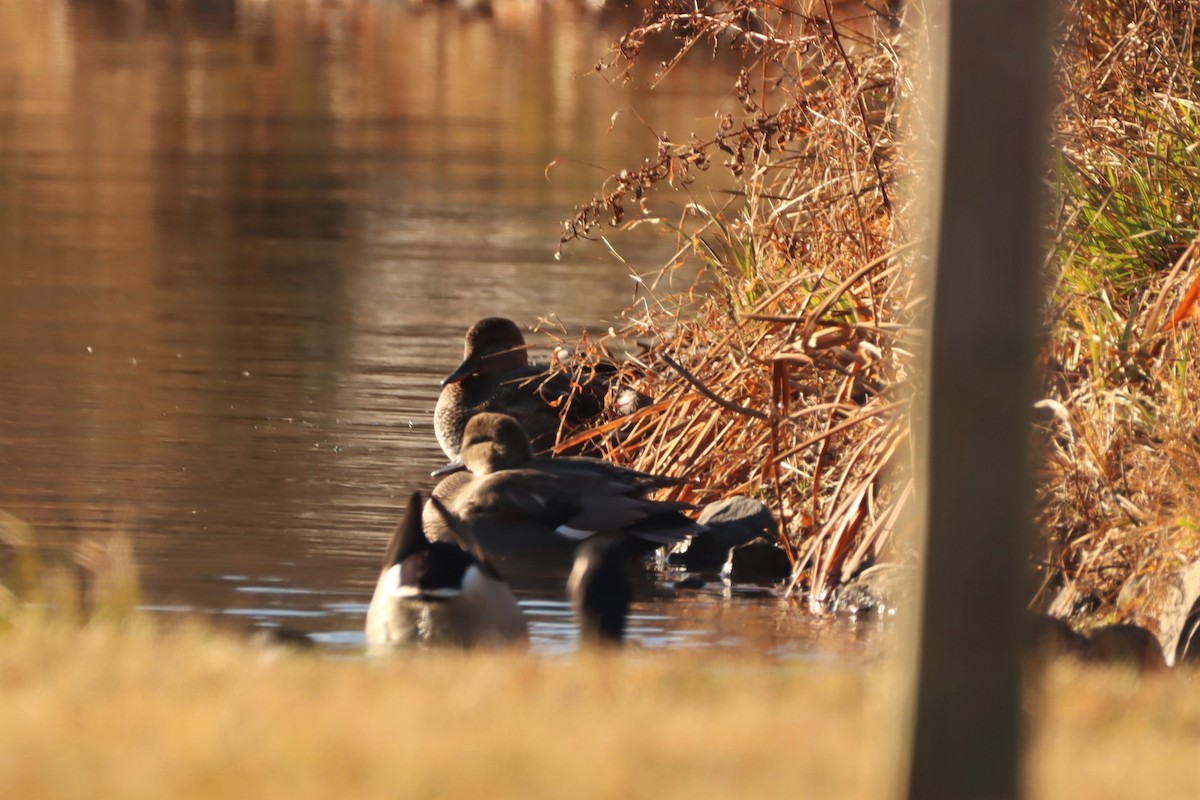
x=239, y=245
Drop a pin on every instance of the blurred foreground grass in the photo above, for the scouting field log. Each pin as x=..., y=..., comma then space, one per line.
x=98, y=699
x=133, y=712
x=133, y=709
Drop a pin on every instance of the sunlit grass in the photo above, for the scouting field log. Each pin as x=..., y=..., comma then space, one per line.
x=1110, y=733
x=138, y=711
x=1118, y=501
x=99, y=699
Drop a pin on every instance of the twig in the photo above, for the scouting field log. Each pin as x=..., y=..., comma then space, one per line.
x=709, y=393
x=851, y=280
x=862, y=108
x=850, y=423
x=1156, y=309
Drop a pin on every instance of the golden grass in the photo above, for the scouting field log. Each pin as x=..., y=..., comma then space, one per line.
x=1110, y=733
x=186, y=714
x=100, y=700
x=137, y=712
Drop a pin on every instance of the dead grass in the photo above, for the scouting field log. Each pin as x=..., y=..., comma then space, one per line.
x=100, y=700
x=188, y=714
x=1110, y=733
x=784, y=375
x=1119, y=499
x=139, y=712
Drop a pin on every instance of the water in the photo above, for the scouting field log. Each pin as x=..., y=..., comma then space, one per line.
x=239, y=245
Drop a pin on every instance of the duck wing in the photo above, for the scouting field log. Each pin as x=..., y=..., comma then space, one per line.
x=516, y=496
x=606, y=505
x=580, y=466
x=575, y=503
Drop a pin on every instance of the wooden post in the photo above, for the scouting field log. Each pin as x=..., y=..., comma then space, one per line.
x=989, y=245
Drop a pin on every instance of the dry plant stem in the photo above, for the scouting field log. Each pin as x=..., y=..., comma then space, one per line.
x=1156, y=309
x=853, y=460
x=876, y=538
x=849, y=518
x=1113, y=500
x=862, y=111
x=852, y=279
x=709, y=393
x=773, y=462
x=809, y=296
x=850, y=423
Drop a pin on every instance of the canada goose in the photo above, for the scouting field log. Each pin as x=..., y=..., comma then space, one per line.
x=439, y=593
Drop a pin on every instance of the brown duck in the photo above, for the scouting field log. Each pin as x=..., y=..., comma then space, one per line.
x=518, y=505
x=495, y=375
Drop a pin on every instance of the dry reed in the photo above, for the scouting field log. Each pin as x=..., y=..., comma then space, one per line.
x=785, y=375
x=1118, y=499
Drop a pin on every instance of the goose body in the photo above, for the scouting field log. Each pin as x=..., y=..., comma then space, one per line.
x=439, y=593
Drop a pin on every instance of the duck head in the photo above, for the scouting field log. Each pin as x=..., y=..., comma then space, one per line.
x=493, y=346
x=494, y=442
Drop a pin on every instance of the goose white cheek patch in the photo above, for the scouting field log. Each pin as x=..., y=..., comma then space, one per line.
x=394, y=586
x=391, y=581
x=573, y=533
x=434, y=594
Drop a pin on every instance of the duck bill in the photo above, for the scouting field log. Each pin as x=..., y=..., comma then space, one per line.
x=448, y=469
x=461, y=372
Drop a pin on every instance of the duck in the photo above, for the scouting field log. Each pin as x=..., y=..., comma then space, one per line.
x=496, y=375
x=436, y=524
x=598, y=588
x=519, y=506
x=440, y=593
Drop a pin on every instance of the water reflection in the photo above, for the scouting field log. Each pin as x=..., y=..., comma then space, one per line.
x=239, y=244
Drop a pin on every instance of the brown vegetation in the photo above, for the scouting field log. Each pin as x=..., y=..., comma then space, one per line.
x=1119, y=496
x=785, y=374
x=97, y=699
x=786, y=377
